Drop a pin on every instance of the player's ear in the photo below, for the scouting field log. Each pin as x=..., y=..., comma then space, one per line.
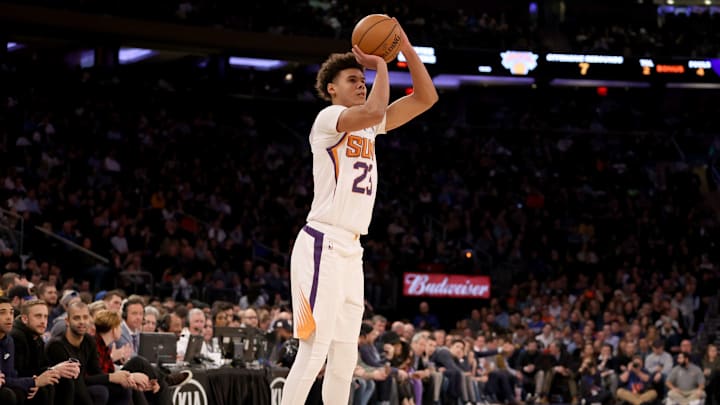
x=331, y=89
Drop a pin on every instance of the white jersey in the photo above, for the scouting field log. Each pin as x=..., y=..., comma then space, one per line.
x=344, y=173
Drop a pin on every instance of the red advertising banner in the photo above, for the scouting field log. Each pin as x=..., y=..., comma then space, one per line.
x=445, y=285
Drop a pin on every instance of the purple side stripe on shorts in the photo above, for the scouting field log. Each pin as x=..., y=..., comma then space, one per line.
x=317, y=252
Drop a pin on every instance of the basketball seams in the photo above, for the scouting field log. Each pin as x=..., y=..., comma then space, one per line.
x=382, y=43
x=370, y=29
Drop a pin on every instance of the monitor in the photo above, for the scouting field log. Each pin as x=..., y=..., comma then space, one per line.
x=194, y=347
x=158, y=347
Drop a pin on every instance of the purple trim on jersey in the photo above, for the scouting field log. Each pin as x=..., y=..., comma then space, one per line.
x=332, y=156
x=317, y=252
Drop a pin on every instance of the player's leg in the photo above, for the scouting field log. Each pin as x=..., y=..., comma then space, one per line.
x=316, y=302
x=343, y=352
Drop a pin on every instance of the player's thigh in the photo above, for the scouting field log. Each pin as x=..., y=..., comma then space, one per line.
x=352, y=305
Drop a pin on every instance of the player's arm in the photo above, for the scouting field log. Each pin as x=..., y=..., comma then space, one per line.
x=424, y=94
x=372, y=112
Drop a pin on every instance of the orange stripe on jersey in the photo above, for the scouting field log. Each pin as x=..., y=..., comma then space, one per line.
x=333, y=152
x=305, y=322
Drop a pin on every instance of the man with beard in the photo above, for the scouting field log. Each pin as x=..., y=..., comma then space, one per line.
x=92, y=387
x=14, y=389
x=30, y=359
x=686, y=382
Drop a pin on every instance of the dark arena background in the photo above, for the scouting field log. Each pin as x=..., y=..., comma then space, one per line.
x=563, y=191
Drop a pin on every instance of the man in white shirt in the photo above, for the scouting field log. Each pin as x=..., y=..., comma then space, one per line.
x=194, y=326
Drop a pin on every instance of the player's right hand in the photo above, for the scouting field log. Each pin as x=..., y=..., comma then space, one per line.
x=369, y=61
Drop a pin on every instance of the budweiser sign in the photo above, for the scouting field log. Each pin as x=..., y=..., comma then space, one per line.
x=445, y=285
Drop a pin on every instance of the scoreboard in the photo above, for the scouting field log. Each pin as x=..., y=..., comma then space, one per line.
x=522, y=67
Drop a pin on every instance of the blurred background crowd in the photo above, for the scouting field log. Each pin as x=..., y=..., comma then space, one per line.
x=594, y=213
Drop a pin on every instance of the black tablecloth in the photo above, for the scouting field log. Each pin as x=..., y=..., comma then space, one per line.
x=225, y=386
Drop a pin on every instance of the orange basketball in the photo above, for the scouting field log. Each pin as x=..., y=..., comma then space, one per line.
x=377, y=34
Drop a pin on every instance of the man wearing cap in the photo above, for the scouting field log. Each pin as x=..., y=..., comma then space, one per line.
x=282, y=331
x=659, y=363
x=18, y=295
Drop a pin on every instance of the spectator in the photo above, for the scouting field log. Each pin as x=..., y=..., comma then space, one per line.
x=133, y=311
x=529, y=364
x=150, y=319
x=424, y=319
x=15, y=389
x=711, y=372
x=93, y=386
x=560, y=378
x=635, y=383
x=686, y=382
x=30, y=360
x=196, y=324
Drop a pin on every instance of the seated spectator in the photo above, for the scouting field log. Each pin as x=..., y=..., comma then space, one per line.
x=711, y=371
x=133, y=311
x=528, y=363
x=592, y=389
x=424, y=319
x=30, y=360
x=93, y=386
x=659, y=363
x=636, y=383
x=686, y=382
x=196, y=324
x=149, y=384
x=14, y=388
x=150, y=319
x=560, y=377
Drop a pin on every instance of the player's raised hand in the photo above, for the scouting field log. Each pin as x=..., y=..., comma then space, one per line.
x=369, y=61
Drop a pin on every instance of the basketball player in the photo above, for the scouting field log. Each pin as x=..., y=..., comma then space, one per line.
x=326, y=263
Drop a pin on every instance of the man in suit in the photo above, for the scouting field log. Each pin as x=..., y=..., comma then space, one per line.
x=132, y=317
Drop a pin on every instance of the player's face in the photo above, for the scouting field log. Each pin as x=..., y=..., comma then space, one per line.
x=348, y=88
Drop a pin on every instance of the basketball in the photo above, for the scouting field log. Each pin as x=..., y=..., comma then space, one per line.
x=377, y=34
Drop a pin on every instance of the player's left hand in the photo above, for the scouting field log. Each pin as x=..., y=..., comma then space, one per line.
x=404, y=41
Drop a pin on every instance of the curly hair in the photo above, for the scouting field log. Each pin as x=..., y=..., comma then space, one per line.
x=329, y=70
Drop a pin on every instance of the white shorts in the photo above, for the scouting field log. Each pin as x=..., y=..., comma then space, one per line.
x=326, y=279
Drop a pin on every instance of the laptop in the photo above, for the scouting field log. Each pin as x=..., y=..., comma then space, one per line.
x=194, y=347
x=158, y=347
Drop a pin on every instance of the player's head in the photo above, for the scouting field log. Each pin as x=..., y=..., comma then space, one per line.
x=341, y=80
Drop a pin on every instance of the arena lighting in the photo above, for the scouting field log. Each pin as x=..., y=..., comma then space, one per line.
x=397, y=79
x=12, y=46
x=448, y=81
x=484, y=69
x=700, y=86
x=87, y=59
x=132, y=55
x=596, y=83
x=256, y=63
x=579, y=58
x=426, y=54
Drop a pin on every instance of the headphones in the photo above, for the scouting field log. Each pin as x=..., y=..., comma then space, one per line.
x=123, y=309
x=163, y=323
